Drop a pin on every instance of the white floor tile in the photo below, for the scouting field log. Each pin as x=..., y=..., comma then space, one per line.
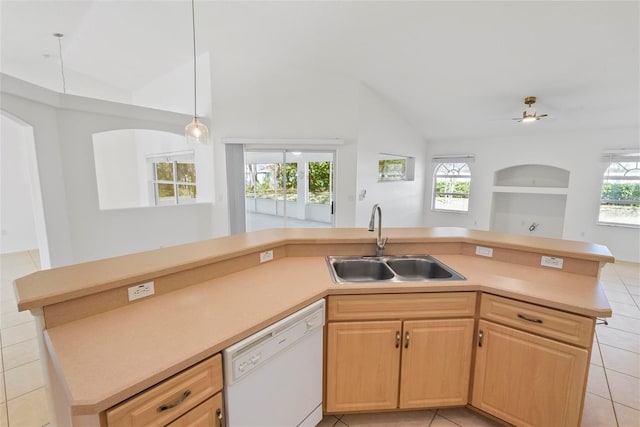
x=466, y=417
x=629, y=310
x=23, y=379
x=388, y=419
x=20, y=354
x=30, y=409
x=624, y=361
x=598, y=412
x=19, y=333
x=597, y=382
x=627, y=417
x=625, y=389
x=617, y=338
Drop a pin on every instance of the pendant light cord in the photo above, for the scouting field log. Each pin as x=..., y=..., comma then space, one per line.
x=64, y=84
x=193, y=22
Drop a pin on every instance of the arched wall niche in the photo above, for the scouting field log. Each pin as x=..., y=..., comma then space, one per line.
x=530, y=199
x=532, y=176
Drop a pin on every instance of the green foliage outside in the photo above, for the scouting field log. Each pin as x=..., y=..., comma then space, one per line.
x=186, y=174
x=319, y=182
x=621, y=192
x=453, y=186
x=266, y=183
x=392, y=169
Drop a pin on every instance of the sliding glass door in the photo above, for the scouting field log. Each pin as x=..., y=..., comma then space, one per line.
x=288, y=188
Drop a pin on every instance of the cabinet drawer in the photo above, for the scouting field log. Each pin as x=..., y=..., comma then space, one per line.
x=206, y=414
x=551, y=323
x=406, y=306
x=166, y=401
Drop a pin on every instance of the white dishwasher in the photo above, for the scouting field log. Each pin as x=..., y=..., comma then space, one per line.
x=274, y=377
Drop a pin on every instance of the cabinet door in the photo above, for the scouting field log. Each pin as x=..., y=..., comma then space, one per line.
x=436, y=363
x=207, y=414
x=363, y=362
x=527, y=380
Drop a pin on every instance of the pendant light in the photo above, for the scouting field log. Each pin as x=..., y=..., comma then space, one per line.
x=59, y=36
x=195, y=132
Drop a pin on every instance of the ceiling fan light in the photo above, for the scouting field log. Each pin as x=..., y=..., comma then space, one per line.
x=529, y=119
x=196, y=132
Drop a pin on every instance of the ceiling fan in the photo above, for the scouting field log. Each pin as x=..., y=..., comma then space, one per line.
x=529, y=116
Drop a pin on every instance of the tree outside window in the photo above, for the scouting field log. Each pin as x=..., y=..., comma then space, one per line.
x=319, y=182
x=452, y=184
x=265, y=180
x=174, y=182
x=620, y=195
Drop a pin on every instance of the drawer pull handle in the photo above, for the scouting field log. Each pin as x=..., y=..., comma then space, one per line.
x=397, y=339
x=529, y=319
x=175, y=403
x=219, y=417
x=406, y=339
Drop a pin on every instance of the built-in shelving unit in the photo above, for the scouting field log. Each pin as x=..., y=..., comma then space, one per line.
x=530, y=199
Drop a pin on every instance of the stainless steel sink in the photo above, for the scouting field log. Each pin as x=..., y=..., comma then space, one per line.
x=362, y=270
x=405, y=268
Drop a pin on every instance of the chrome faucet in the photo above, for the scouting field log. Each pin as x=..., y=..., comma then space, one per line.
x=380, y=242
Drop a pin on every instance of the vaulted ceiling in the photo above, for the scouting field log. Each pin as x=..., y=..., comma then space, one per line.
x=452, y=68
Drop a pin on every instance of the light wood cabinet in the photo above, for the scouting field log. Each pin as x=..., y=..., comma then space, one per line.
x=528, y=380
x=363, y=363
x=179, y=396
x=436, y=360
x=207, y=414
x=388, y=364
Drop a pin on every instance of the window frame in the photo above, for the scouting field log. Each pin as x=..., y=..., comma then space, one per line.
x=607, y=178
x=435, y=193
x=174, y=159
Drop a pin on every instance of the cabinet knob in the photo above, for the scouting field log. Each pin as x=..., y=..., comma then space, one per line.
x=397, y=339
x=406, y=339
x=219, y=417
x=480, y=336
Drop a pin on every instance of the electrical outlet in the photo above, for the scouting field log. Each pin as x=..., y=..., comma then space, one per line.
x=266, y=256
x=549, y=261
x=482, y=251
x=140, y=291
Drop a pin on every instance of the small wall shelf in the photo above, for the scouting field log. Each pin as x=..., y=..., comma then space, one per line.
x=530, y=199
x=542, y=176
x=528, y=190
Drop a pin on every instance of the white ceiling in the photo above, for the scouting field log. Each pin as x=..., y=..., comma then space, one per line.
x=453, y=69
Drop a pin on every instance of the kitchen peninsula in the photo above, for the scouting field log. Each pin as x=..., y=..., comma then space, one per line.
x=103, y=351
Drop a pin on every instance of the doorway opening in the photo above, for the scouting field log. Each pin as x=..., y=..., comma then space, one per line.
x=288, y=188
x=23, y=223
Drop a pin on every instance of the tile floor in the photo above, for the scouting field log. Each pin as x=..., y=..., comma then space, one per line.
x=613, y=391
x=23, y=401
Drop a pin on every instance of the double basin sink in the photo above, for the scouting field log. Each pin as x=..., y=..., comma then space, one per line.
x=385, y=269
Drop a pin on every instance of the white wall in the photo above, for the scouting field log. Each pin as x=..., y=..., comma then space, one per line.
x=77, y=229
x=382, y=130
x=16, y=207
x=578, y=152
x=117, y=175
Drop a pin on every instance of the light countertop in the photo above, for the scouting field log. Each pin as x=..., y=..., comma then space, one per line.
x=111, y=356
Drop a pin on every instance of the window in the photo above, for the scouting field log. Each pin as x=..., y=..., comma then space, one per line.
x=174, y=179
x=620, y=195
x=264, y=180
x=452, y=182
x=319, y=182
x=392, y=167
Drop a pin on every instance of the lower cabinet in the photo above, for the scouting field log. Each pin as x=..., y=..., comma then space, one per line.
x=526, y=379
x=192, y=397
x=207, y=414
x=389, y=364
